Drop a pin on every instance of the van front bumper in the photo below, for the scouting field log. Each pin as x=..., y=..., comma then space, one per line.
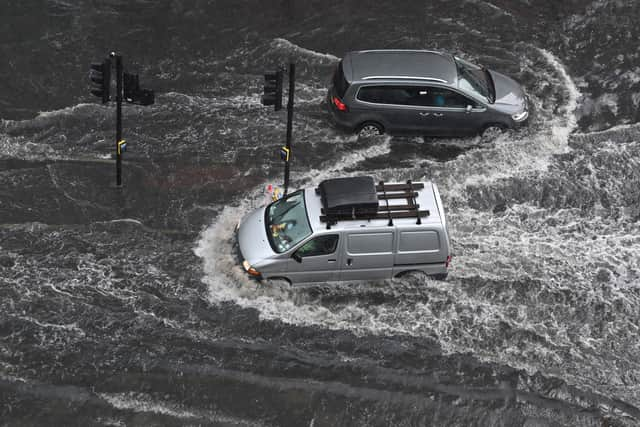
x=239, y=258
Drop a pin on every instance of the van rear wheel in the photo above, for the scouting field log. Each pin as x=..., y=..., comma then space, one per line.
x=442, y=276
x=369, y=129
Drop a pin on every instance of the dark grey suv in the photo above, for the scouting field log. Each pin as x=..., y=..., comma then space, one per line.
x=422, y=92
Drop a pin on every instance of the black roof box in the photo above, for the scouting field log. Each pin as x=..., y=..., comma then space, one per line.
x=349, y=196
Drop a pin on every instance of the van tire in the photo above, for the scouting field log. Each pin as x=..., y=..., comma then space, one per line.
x=418, y=274
x=442, y=276
x=273, y=280
x=369, y=129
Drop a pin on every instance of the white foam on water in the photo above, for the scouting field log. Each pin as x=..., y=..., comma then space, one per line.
x=140, y=402
x=284, y=44
x=523, y=153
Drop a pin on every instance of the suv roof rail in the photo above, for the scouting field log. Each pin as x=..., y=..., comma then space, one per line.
x=435, y=79
x=401, y=50
x=341, y=203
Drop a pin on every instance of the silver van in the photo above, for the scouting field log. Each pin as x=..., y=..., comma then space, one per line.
x=347, y=229
x=422, y=92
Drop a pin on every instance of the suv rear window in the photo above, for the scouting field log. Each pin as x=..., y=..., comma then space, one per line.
x=339, y=82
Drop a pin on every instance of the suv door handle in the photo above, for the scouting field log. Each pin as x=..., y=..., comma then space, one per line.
x=438, y=114
x=425, y=114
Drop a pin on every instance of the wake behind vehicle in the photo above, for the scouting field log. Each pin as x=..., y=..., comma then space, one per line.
x=422, y=92
x=347, y=229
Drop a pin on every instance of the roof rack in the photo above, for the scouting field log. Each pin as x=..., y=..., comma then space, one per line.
x=348, y=199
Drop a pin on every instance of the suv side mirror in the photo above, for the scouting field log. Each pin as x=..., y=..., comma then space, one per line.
x=297, y=257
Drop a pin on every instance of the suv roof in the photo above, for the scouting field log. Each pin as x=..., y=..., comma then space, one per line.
x=367, y=65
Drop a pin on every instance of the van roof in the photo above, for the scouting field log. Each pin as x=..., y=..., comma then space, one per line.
x=426, y=199
x=366, y=65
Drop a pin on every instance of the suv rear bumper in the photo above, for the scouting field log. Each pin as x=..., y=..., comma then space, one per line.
x=339, y=119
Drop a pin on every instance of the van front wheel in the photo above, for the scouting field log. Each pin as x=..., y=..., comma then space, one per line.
x=278, y=282
x=370, y=129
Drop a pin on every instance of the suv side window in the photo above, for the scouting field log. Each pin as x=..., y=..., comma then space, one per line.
x=421, y=96
x=431, y=96
x=397, y=95
x=321, y=245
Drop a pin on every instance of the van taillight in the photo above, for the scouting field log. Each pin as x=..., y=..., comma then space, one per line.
x=339, y=104
x=446, y=264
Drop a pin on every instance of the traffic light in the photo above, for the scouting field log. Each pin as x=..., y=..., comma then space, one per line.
x=273, y=90
x=100, y=75
x=133, y=94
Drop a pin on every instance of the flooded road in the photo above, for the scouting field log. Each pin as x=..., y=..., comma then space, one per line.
x=127, y=306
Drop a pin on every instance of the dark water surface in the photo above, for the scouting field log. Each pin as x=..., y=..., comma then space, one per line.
x=127, y=307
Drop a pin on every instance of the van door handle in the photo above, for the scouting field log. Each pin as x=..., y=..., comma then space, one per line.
x=349, y=262
x=331, y=260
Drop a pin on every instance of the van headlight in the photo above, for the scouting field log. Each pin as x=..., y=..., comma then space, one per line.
x=520, y=116
x=252, y=271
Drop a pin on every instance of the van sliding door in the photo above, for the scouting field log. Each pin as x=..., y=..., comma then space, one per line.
x=367, y=255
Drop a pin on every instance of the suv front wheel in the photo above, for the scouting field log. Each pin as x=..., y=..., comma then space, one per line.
x=369, y=129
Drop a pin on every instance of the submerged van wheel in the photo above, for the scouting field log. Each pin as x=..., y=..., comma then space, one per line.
x=370, y=129
x=278, y=282
x=442, y=276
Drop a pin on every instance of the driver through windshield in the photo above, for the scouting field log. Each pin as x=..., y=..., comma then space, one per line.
x=287, y=222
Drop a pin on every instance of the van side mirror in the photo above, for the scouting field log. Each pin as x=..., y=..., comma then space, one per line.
x=297, y=257
x=469, y=108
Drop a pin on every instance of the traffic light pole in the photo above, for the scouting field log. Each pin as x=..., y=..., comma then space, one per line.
x=118, y=118
x=292, y=87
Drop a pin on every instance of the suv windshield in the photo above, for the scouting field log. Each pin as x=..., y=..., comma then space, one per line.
x=474, y=79
x=287, y=223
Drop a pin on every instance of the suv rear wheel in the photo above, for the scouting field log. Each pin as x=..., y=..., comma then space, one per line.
x=369, y=129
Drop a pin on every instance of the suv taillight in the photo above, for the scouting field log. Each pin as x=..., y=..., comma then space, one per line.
x=339, y=104
x=446, y=264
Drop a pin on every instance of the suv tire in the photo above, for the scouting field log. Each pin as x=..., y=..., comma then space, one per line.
x=369, y=129
x=491, y=132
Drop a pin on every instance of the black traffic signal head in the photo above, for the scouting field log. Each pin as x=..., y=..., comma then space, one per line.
x=100, y=75
x=133, y=94
x=273, y=90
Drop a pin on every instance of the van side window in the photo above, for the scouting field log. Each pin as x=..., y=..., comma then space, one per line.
x=321, y=245
x=370, y=243
x=419, y=241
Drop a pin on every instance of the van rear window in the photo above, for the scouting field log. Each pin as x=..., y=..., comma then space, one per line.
x=339, y=82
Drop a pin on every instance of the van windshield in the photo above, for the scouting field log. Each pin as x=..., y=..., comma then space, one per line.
x=287, y=223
